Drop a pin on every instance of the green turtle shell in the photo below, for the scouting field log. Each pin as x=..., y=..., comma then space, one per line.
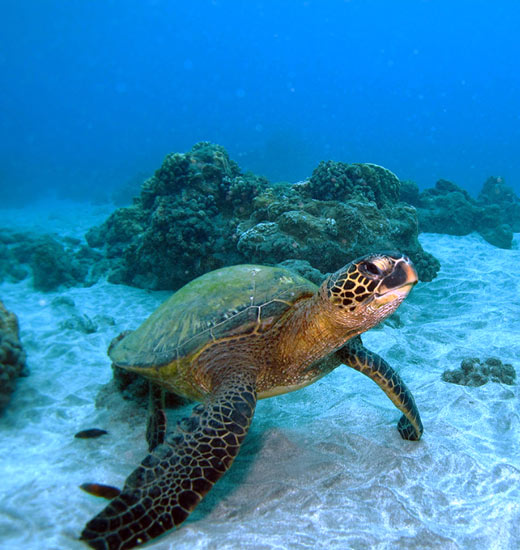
x=229, y=301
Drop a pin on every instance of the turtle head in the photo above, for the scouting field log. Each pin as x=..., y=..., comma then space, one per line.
x=369, y=289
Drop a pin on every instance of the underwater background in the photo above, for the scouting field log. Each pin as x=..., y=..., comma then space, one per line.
x=96, y=93
x=144, y=143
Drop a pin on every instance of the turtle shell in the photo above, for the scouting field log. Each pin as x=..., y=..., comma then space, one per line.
x=229, y=301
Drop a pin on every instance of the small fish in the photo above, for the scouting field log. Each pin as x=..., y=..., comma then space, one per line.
x=99, y=490
x=90, y=433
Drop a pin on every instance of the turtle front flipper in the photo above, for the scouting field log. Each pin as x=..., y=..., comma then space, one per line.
x=355, y=355
x=177, y=474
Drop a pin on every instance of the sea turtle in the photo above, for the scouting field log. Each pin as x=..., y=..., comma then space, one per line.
x=226, y=339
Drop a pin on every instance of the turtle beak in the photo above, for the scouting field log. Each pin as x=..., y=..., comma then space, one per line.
x=398, y=283
x=403, y=274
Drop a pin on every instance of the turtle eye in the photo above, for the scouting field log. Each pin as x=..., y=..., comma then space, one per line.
x=371, y=268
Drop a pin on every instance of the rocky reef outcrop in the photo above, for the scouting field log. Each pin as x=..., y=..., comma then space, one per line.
x=199, y=212
x=12, y=355
x=447, y=208
x=182, y=223
x=51, y=260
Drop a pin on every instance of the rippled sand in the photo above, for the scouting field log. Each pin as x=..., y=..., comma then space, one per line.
x=321, y=468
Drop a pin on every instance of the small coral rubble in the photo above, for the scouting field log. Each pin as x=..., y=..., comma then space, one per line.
x=199, y=212
x=474, y=372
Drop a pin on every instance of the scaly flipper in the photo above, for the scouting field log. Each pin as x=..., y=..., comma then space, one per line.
x=177, y=474
x=355, y=355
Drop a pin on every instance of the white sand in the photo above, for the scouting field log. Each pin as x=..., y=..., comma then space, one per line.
x=322, y=468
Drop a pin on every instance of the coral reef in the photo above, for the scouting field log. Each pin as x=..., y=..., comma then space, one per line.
x=12, y=355
x=289, y=224
x=341, y=182
x=447, y=208
x=199, y=212
x=474, y=372
x=52, y=260
x=181, y=224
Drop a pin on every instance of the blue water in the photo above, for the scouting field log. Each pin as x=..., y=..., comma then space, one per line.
x=94, y=93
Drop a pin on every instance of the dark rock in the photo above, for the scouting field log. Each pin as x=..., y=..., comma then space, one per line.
x=449, y=209
x=78, y=321
x=10, y=268
x=180, y=226
x=75, y=320
x=53, y=260
x=12, y=355
x=495, y=191
x=120, y=227
x=443, y=187
x=474, y=372
x=500, y=236
x=322, y=232
x=409, y=193
x=53, y=266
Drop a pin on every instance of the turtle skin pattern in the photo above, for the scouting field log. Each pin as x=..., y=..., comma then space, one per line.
x=177, y=474
x=355, y=355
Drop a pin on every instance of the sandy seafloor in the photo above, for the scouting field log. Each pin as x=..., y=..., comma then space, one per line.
x=323, y=467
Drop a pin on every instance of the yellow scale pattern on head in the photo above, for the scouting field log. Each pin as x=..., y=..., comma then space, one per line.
x=351, y=288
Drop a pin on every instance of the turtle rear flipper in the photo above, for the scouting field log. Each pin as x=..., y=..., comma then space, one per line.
x=177, y=474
